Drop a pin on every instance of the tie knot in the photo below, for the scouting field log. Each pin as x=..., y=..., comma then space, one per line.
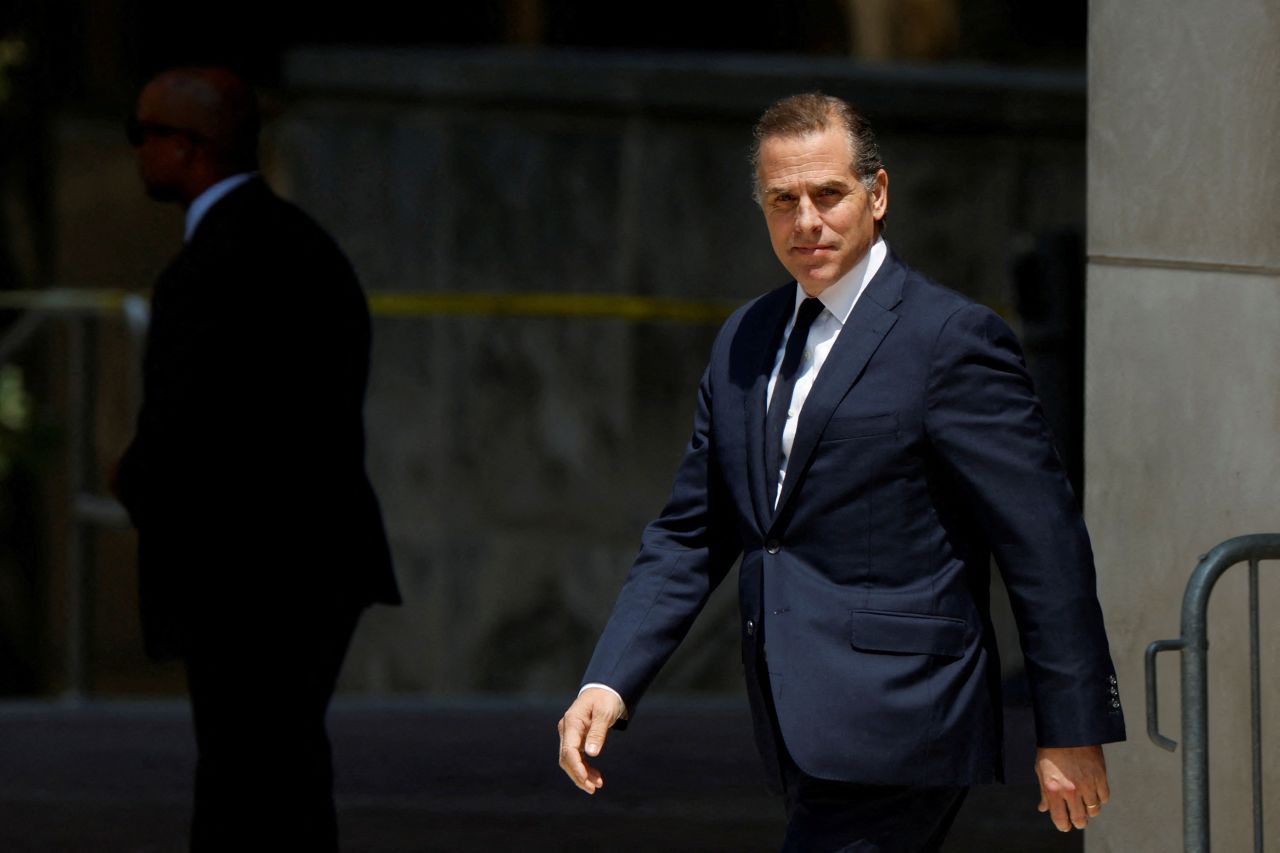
x=810, y=308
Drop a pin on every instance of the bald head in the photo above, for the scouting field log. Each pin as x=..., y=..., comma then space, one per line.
x=204, y=121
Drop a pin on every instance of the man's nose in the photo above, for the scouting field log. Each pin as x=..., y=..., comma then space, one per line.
x=807, y=218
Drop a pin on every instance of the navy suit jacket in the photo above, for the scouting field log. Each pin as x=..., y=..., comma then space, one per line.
x=921, y=452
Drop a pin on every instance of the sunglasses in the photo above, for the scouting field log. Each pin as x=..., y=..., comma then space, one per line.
x=137, y=131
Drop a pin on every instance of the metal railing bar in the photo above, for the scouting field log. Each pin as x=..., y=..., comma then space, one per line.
x=1153, y=694
x=1255, y=691
x=77, y=660
x=1194, y=645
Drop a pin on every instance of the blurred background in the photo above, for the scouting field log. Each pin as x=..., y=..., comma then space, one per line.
x=468, y=157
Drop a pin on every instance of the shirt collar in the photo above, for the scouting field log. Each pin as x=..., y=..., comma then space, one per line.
x=209, y=198
x=840, y=297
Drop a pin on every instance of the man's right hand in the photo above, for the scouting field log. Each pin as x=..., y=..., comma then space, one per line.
x=582, y=732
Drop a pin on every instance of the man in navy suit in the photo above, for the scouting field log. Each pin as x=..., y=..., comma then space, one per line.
x=867, y=440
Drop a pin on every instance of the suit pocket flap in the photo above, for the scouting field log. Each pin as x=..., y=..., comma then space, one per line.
x=839, y=429
x=906, y=633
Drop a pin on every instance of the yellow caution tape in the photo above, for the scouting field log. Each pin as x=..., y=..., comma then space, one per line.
x=644, y=308
x=433, y=304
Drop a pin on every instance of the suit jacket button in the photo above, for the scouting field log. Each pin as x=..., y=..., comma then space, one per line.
x=773, y=546
x=751, y=628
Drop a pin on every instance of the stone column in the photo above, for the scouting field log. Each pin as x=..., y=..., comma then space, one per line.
x=1183, y=378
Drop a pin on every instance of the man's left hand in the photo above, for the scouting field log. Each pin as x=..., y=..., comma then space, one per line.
x=1073, y=784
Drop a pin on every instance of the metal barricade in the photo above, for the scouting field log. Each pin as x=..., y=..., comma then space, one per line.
x=76, y=309
x=1194, y=646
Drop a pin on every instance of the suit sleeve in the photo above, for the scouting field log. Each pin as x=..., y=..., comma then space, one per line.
x=983, y=418
x=684, y=554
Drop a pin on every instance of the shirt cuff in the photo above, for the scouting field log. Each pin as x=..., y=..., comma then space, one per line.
x=611, y=690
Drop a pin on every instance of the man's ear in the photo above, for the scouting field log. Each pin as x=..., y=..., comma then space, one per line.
x=880, y=195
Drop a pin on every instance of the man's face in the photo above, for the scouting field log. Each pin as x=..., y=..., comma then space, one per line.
x=164, y=144
x=821, y=219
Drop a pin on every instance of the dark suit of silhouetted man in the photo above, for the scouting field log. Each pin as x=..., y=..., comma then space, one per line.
x=908, y=447
x=260, y=538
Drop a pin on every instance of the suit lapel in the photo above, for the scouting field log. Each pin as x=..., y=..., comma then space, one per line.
x=772, y=323
x=871, y=319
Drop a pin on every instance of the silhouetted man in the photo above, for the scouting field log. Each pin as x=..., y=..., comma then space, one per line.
x=260, y=538
x=866, y=440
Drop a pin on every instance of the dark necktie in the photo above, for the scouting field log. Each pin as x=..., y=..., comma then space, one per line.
x=776, y=420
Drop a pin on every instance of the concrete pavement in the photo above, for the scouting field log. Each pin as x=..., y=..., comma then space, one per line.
x=420, y=776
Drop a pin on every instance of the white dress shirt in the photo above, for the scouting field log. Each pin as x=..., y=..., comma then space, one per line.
x=209, y=198
x=838, y=301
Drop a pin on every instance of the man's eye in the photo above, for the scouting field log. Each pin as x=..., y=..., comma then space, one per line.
x=829, y=192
